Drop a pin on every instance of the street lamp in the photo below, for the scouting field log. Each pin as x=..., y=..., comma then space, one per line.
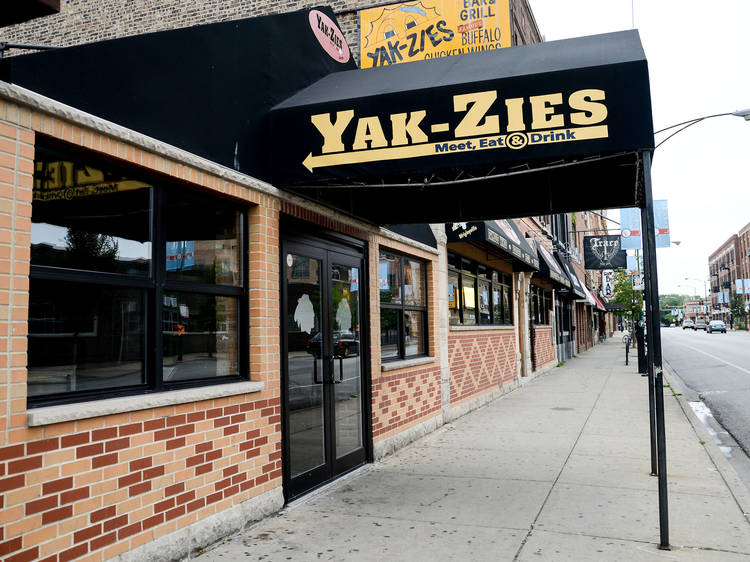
x=705, y=291
x=744, y=113
x=655, y=385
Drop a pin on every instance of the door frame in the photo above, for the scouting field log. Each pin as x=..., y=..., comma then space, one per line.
x=298, y=232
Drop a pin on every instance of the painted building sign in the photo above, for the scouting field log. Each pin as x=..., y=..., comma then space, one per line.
x=427, y=29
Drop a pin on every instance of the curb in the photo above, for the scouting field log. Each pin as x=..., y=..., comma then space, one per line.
x=728, y=474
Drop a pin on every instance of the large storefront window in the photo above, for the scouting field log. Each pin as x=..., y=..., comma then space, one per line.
x=403, y=307
x=136, y=286
x=478, y=295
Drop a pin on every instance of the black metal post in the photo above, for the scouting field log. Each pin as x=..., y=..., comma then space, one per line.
x=654, y=345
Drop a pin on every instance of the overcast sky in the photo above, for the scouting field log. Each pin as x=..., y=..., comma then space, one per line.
x=699, y=63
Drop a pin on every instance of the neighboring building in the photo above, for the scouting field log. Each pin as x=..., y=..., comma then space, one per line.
x=694, y=310
x=190, y=347
x=729, y=270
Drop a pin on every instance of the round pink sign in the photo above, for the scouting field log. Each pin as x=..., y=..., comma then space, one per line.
x=329, y=36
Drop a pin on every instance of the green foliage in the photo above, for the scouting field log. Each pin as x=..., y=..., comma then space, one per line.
x=670, y=302
x=87, y=250
x=737, y=306
x=631, y=300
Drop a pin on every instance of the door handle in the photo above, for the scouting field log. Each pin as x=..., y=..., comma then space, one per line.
x=341, y=371
x=315, y=371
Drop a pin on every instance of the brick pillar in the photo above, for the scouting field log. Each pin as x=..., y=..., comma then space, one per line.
x=16, y=183
x=265, y=295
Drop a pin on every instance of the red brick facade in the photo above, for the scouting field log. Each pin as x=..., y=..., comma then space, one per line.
x=544, y=346
x=479, y=361
x=106, y=485
x=404, y=398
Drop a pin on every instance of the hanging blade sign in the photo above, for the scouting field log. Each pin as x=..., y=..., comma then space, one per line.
x=603, y=252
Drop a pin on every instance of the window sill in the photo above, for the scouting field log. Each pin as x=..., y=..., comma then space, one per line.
x=82, y=410
x=405, y=363
x=542, y=325
x=459, y=328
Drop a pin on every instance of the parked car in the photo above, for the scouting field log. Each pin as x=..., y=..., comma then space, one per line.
x=716, y=326
x=344, y=344
x=688, y=324
x=700, y=325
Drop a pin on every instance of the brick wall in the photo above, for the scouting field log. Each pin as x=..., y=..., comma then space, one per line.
x=94, y=488
x=106, y=485
x=544, y=346
x=479, y=361
x=403, y=398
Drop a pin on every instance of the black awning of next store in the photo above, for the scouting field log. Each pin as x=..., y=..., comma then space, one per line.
x=549, y=268
x=502, y=234
x=575, y=282
x=528, y=130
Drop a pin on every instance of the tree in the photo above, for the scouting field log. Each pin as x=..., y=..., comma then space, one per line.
x=88, y=250
x=668, y=303
x=737, y=307
x=631, y=300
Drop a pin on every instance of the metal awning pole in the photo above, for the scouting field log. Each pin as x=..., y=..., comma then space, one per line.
x=654, y=357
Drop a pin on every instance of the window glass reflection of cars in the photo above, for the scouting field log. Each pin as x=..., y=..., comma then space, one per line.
x=344, y=344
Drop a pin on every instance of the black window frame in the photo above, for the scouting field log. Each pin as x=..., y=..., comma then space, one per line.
x=155, y=284
x=401, y=308
x=469, y=270
x=540, y=305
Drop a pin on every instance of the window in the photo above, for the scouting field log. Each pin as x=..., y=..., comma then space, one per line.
x=540, y=304
x=136, y=285
x=477, y=294
x=403, y=307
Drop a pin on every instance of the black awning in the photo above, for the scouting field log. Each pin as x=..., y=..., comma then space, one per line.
x=18, y=11
x=548, y=266
x=502, y=234
x=575, y=282
x=206, y=89
x=419, y=232
x=455, y=138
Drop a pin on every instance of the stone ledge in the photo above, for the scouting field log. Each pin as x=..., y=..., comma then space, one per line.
x=93, y=409
x=406, y=363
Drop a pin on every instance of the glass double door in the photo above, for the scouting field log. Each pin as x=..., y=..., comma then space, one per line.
x=324, y=398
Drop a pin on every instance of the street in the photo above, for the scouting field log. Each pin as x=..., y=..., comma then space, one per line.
x=717, y=367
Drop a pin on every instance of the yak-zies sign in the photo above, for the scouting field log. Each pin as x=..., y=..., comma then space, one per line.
x=429, y=116
x=478, y=127
x=603, y=252
x=426, y=29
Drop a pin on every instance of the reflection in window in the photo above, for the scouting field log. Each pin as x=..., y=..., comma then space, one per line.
x=99, y=301
x=84, y=337
x=88, y=219
x=202, y=246
x=402, y=326
x=199, y=335
x=389, y=278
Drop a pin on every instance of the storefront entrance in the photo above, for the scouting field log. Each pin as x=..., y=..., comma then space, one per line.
x=323, y=367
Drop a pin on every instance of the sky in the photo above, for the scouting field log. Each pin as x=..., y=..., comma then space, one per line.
x=699, y=64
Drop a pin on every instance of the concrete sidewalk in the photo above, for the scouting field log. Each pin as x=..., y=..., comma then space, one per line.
x=557, y=470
